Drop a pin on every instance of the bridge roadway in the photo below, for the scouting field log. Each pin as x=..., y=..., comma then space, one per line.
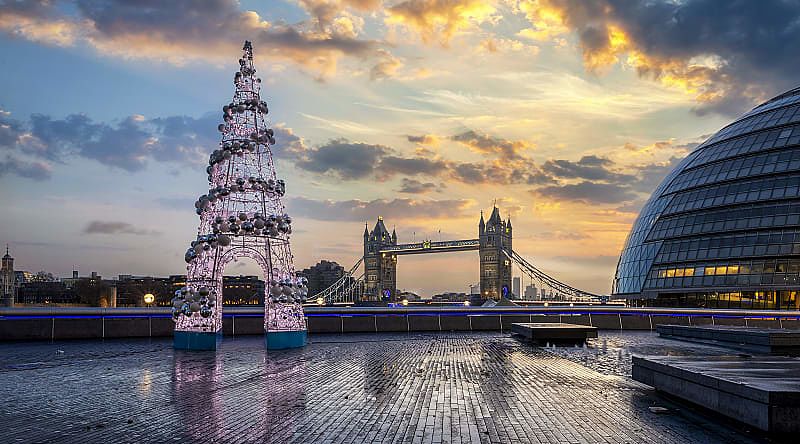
x=45, y=323
x=432, y=247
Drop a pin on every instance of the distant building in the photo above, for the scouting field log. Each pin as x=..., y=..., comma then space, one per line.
x=516, y=287
x=44, y=288
x=242, y=290
x=409, y=296
x=322, y=275
x=450, y=297
x=131, y=289
x=236, y=290
x=9, y=281
x=530, y=292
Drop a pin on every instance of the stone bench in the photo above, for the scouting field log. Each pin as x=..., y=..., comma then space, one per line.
x=555, y=332
x=757, y=340
x=763, y=392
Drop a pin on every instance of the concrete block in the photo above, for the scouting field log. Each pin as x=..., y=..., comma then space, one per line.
x=25, y=329
x=423, y=323
x=324, y=324
x=358, y=324
x=127, y=327
x=485, y=323
x=606, y=321
x=454, y=323
x=78, y=328
x=392, y=323
x=507, y=320
x=248, y=325
x=635, y=322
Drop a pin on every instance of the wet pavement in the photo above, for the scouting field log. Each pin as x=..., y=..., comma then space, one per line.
x=432, y=388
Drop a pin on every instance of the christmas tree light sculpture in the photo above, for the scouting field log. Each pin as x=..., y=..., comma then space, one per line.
x=241, y=216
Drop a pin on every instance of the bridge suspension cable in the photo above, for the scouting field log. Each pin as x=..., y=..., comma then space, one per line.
x=346, y=289
x=546, y=280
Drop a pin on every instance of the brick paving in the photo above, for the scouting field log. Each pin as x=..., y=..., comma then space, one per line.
x=403, y=388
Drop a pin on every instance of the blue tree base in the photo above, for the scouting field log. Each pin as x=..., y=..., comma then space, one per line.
x=190, y=340
x=280, y=340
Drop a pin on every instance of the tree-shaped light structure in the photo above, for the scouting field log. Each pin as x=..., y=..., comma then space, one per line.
x=241, y=215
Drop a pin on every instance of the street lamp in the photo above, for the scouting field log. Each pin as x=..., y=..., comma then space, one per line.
x=404, y=302
x=320, y=301
x=149, y=298
x=466, y=303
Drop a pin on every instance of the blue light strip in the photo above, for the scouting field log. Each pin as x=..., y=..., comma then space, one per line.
x=425, y=313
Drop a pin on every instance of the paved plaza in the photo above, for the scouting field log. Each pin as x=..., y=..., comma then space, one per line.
x=431, y=388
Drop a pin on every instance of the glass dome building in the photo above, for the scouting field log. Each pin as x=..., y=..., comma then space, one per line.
x=723, y=228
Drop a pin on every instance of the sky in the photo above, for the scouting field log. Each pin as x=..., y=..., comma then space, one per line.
x=566, y=114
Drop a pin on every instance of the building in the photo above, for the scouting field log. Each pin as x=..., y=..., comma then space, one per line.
x=242, y=290
x=8, y=281
x=530, y=292
x=132, y=289
x=723, y=228
x=236, y=290
x=322, y=275
x=494, y=236
x=516, y=284
x=39, y=292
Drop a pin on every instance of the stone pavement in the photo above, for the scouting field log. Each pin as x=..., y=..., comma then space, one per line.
x=415, y=388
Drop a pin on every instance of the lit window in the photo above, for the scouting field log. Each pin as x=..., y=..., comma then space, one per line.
x=733, y=269
x=671, y=273
x=688, y=272
x=721, y=270
x=709, y=271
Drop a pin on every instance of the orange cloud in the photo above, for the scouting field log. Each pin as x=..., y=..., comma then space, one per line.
x=440, y=19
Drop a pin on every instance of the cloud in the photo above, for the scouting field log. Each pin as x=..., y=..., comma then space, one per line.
x=425, y=140
x=386, y=68
x=598, y=180
x=343, y=159
x=728, y=55
x=32, y=146
x=590, y=168
x=359, y=210
x=327, y=12
x=489, y=145
x=112, y=227
x=181, y=31
x=413, y=186
x=439, y=20
x=127, y=145
x=498, y=45
x=587, y=192
x=36, y=170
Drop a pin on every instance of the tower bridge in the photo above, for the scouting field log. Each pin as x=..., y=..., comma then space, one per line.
x=378, y=280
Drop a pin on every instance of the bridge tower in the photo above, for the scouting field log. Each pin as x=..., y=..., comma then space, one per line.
x=380, y=269
x=494, y=236
x=7, y=277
